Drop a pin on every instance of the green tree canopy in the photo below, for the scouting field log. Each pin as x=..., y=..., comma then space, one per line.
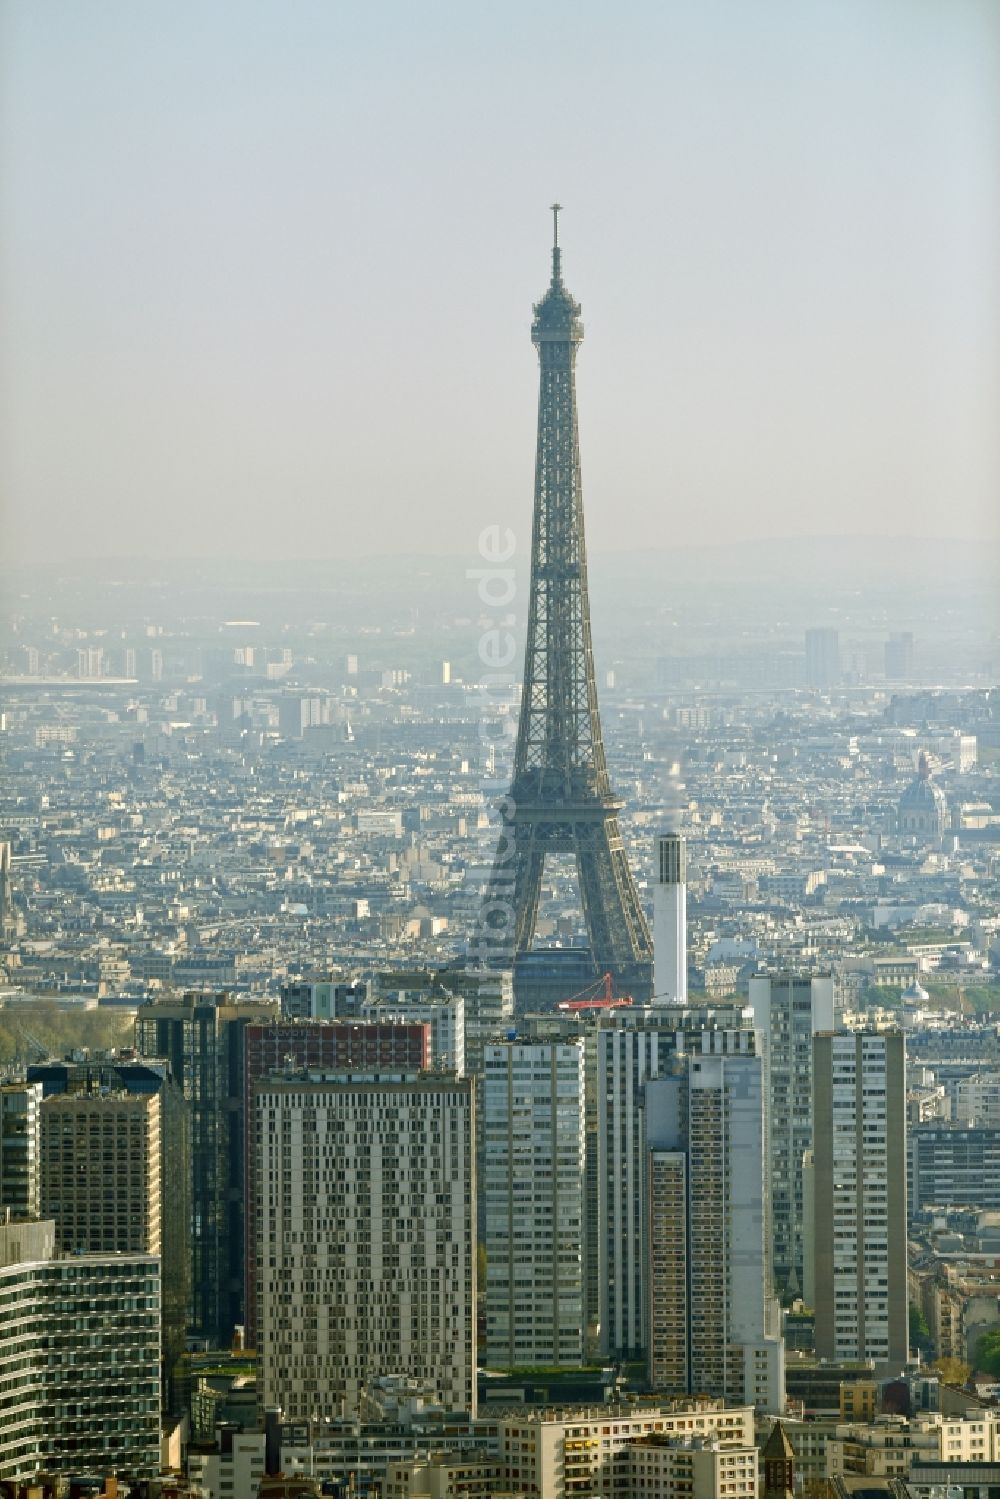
x=920, y=1333
x=988, y=1353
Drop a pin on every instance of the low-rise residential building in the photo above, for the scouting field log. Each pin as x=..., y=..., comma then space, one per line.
x=554, y=1454
x=230, y=1465
x=447, y=1475
x=691, y=1467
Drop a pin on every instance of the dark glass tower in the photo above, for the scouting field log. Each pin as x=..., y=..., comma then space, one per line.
x=560, y=797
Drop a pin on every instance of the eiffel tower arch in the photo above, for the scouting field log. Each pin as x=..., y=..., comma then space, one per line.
x=560, y=799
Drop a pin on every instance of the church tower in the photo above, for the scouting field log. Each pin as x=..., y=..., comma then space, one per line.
x=779, y=1465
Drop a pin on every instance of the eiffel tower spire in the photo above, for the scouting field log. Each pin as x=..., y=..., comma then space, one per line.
x=560, y=797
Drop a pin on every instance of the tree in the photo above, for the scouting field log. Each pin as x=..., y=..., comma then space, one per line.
x=920, y=1333
x=951, y=1370
x=31, y=1024
x=988, y=1353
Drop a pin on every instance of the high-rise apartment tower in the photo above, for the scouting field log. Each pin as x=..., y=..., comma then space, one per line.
x=533, y=1181
x=201, y=1038
x=788, y=1011
x=714, y=1324
x=859, y=1191
x=366, y=1248
x=635, y=1047
x=79, y=1359
x=320, y=1046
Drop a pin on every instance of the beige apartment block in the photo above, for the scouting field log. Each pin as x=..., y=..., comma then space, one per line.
x=366, y=1253
x=554, y=1454
x=100, y=1171
x=447, y=1475
x=662, y=1467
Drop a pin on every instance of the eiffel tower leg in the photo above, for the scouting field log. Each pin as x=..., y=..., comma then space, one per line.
x=619, y=935
x=507, y=920
x=530, y=862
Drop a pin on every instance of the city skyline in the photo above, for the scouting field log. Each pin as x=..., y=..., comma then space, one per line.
x=417, y=1081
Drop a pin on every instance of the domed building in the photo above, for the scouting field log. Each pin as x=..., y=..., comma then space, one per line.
x=923, y=809
x=915, y=995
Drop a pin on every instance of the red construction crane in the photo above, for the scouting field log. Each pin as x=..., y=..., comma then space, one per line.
x=606, y=1001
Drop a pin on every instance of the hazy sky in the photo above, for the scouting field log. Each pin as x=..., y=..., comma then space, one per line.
x=267, y=267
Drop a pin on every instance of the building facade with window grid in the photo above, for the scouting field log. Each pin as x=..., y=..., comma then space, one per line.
x=366, y=1251
x=79, y=1358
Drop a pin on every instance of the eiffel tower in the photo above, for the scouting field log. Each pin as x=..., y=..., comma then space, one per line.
x=560, y=797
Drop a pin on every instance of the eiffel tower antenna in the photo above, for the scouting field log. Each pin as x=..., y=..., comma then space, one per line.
x=561, y=798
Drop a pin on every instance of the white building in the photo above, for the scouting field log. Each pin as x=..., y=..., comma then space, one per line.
x=891, y=1445
x=366, y=1258
x=788, y=1012
x=383, y=822
x=232, y=1469
x=670, y=921
x=447, y=1475
x=533, y=1183
x=554, y=1454
x=444, y=1013
x=977, y=1099
x=542, y=1453
x=353, y=1455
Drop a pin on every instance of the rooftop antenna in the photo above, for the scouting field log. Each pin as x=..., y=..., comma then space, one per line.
x=556, y=256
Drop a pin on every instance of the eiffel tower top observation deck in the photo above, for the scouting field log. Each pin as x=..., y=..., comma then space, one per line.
x=561, y=798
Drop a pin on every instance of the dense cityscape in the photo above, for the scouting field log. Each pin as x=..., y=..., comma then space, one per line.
x=422, y=1078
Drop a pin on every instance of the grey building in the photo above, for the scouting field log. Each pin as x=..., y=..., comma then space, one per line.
x=79, y=1358
x=822, y=658
x=89, y=1082
x=859, y=1197
x=713, y=1321
x=19, y=1148
x=201, y=1037
x=637, y=1046
x=366, y=1247
x=788, y=1011
x=953, y=1166
x=533, y=1186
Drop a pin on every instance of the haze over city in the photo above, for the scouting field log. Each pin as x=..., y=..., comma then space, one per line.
x=484, y=1016
x=265, y=271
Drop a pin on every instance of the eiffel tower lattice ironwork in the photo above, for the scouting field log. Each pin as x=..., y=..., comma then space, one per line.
x=560, y=797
